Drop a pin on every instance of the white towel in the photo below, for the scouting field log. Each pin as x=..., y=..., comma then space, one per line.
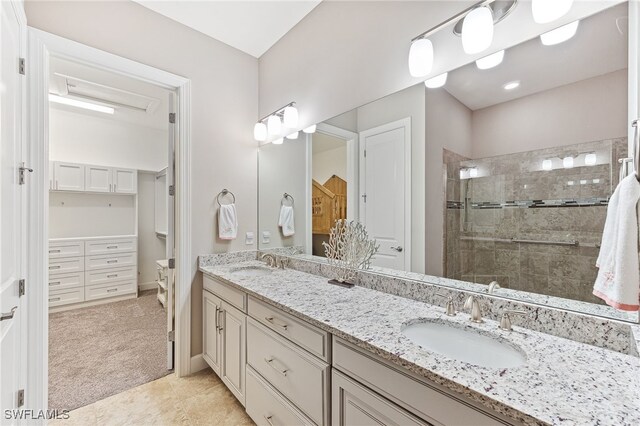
x=286, y=221
x=227, y=222
x=618, y=281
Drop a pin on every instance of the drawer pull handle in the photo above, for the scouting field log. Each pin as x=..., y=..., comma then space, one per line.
x=54, y=283
x=273, y=321
x=112, y=275
x=219, y=320
x=54, y=251
x=54, y=299
x=268, y=419
x=270, y=362
x=112, y=261
x=8, y=315
x=217, y=325
x=54, y=267
x=112, y=247
x=111, y=290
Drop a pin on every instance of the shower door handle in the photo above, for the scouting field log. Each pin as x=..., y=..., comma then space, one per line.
x=398, y=249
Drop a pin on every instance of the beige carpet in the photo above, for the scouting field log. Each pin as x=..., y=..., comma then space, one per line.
x=103, y=350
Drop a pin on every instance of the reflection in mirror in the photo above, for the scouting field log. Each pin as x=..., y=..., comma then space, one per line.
x=502, y=174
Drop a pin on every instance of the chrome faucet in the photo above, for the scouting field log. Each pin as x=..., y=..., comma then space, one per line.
x=493, y=286
x=473, y=305
x=270, y=260
x=450, y=307
x=505, y=321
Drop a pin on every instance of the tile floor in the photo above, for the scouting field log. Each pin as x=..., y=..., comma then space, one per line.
x=200, y=399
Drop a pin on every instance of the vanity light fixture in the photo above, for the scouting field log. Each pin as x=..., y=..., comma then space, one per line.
x=278, y=141
x=559, y=35
x=567, y=162
x=511, y=85
x=293, y=135
x=547, y=164
x=290, y=117
x=437, y=81
x=310, y=129
x=490, y=61
x=545, y=11
x=274, y=125
x=420, y=57
x=81, y=104
x=590, y=159
x=260, y=132
x=477, y=30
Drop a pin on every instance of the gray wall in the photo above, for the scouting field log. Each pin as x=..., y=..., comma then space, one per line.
x=224, y=107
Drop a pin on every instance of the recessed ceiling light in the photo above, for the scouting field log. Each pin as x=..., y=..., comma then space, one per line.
x=490, y=61
x=559, y=35
x=511, y=85
x=437, y=81
x=81, y=104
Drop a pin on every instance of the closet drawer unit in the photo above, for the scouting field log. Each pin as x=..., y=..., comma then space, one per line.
x=307, y=336
x=108, y=246
x=66, y=281
x=66, y=265
x=66, y=249
x=267, y=407
x=122, y=288
x=66, y=296
x=299, y=376
x=111, y=261
x=226, y=292
x=109, y=276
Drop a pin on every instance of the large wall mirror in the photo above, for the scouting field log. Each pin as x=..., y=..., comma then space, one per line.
x=503, y=173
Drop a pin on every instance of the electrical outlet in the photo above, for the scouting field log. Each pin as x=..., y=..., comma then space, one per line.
x=248, y=238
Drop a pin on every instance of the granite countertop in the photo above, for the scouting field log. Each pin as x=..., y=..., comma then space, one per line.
x=563, y=382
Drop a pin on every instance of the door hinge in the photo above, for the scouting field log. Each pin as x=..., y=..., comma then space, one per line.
x=172, y=263
x=172, y=117
x=172, y=190
x=171, y=336
x=365, y=153
x=21, y=289
x=21, y=66
x=364, y=197
x=21, y=172
x=20, y=397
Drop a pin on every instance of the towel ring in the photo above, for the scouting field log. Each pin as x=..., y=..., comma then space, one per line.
x=285, y=197
x=222, y=194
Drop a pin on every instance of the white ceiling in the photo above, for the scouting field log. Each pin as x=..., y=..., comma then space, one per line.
x=251, y=26
x=597, y=48
x=322, y=142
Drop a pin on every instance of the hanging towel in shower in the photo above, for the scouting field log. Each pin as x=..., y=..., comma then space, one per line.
x=618, y=281
x=286, y=221
x=227, y=222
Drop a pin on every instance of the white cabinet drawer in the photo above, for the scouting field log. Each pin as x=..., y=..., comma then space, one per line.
x=110, y=261
x=226, y=292
x=66, y=249
x=309, y=337
x=426, y=400
x=301, y=377
x=109, y=246
x=66, y=265
x=60, y=282
x=110, y=290
x=110, y=276
x=66, y=296
x=267, y=407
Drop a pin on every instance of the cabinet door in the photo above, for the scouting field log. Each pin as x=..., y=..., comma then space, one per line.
x=125, y=181
x=354, y=405
x=98, y=179
x=211, y=334
x=233, y=350
x=69, y=177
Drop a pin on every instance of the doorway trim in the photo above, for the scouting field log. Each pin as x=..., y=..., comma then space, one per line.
x=41, y=46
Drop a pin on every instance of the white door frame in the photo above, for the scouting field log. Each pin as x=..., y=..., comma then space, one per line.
x=42, y=45
x=406, y=123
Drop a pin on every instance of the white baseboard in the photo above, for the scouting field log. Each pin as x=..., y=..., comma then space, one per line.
x=147, y=286
x=198, y=363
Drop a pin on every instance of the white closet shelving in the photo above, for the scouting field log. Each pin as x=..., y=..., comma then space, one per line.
x=92, y=178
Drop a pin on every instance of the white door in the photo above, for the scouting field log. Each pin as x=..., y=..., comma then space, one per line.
x=98, y=179
x=12, y=210
x=125, y=181
x=170, y=240
x=385, y=189
x=68, y=176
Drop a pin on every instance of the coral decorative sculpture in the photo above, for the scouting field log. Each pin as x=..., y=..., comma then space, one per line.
x=349, y=249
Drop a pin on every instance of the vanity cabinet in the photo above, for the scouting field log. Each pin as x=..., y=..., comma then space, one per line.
x=211, y=337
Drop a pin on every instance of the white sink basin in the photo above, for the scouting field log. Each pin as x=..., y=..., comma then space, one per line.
x=464, y=345
x=250, y=271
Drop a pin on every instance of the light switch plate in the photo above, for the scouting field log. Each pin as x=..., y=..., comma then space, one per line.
x=266, y=237
x=248, y=238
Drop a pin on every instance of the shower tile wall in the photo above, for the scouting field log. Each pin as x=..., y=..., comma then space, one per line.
x=479, y=226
